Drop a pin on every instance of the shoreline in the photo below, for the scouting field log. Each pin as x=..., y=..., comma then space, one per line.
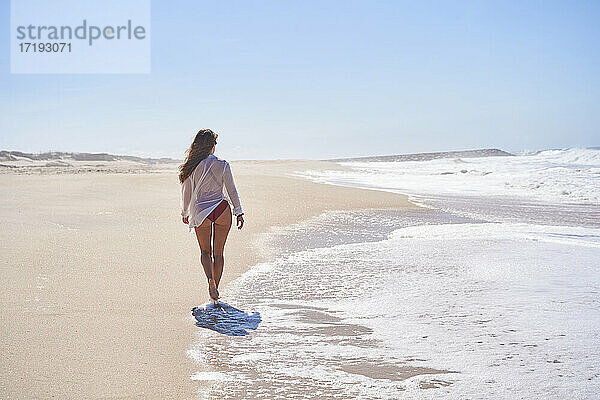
x=447, y=252
x=86, y=262
x=223, y=353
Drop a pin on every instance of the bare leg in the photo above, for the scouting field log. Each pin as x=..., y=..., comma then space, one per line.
x=204, y=234
x=207, y=263
x=221, y=230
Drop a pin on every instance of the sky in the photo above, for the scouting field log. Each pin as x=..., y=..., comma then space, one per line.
x=327, y=79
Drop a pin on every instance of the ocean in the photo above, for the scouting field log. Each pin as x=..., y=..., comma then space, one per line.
x=491, y=290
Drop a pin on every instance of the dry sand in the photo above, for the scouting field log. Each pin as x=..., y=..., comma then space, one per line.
x=99, y=273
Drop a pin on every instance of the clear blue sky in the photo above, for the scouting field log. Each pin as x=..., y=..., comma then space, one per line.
x=319, y=79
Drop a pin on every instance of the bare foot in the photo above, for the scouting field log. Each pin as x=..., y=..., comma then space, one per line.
x=212, y=289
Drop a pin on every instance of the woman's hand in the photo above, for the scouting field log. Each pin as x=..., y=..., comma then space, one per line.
x=185, y=220
x=240, y=221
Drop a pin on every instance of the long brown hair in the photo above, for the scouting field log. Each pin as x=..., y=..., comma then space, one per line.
x=199, y=149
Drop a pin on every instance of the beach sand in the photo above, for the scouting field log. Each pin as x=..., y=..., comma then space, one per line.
x=99, y=274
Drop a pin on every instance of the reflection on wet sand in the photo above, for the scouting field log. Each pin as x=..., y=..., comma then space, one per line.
x=315, y=353
x=225, y=319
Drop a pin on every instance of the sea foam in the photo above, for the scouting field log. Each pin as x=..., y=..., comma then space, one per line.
x=569, y=175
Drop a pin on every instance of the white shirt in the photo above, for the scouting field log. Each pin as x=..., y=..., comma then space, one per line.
x=202, y=191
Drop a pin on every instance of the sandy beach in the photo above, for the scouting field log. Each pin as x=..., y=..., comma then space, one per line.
x=99, y=273
x=420, y=184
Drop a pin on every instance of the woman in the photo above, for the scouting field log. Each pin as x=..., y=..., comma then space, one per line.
x=207, y=185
